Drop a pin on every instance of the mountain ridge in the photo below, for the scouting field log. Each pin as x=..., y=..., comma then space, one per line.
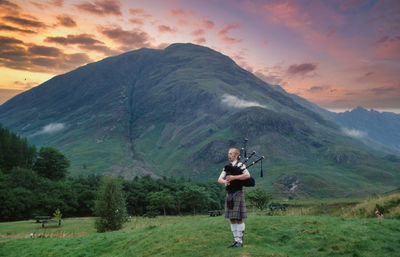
x=176, y=111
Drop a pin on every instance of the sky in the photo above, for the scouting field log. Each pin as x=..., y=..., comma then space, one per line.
x=339, y=54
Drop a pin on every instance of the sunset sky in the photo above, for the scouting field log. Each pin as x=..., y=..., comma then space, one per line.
x=338, y=54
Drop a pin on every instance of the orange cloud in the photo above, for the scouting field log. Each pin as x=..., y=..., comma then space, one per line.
x=15, y=29
x=15, y=54
x=139, y=12
x=198, y=32
x=200, y=41
x=101, y=8
x=208, y=24
x=165, y=28
x=176, y=12
x=223, y=34
x=66, y=21
x=135, y=38
x=25, y=22
x=288, y=14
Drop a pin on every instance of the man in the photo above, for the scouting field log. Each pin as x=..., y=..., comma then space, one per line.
x=235, y=205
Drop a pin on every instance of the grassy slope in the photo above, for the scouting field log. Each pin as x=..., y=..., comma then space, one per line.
x=209, y=236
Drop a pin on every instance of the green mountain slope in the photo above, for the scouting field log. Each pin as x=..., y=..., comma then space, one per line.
x=176, y=112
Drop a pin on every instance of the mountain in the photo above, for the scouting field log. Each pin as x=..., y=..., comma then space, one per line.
x=382, y=127
x=176, y=111
x=379, y=130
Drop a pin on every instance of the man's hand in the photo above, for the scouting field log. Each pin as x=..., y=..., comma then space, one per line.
x=229, y=178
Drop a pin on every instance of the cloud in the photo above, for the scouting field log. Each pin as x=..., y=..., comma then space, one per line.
x=101, y=8
x=208, y=24
x=9, y=5
x=233, y=101
x=140, y=16
x=301, y=69
x=130, y=39
x=24, y=22
x=81, y=39
x=137, y=21
x=10, y=28
x=317, y=89
x=198, y=32
x=14, y=54
x=84, y=41
x=57, y=3
x=140, y=12
x=354, y=133
x=50, y=129
x=223, y=34
x=66, y=21
x=165, y=28
x=383, y=90
x=200, y=41
x=177, y=12
x=44, y=51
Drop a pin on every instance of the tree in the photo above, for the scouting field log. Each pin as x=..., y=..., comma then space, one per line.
x=259, y=197
x=161, y=200
x=110, y=206
x=194, y=197
x=51, y=164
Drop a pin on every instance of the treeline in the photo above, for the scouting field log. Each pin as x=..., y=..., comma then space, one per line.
x=35, y=183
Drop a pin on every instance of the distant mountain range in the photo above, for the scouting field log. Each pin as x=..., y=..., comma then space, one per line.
x=175, y=112
x=370, y=126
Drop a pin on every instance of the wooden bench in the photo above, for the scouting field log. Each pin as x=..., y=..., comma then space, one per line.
x=214, y=213
x=277, y=206
x=46, y=219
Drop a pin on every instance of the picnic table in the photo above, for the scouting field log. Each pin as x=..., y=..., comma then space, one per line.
x=214, y=213
x=46, y=219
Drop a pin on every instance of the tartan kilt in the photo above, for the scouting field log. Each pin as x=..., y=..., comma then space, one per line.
x=239, y=206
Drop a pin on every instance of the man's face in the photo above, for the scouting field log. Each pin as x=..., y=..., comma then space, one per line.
x=232, y=155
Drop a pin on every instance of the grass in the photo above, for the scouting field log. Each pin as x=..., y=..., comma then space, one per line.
x=208, y=236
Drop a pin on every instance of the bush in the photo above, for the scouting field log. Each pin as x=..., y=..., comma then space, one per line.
x=110, y=206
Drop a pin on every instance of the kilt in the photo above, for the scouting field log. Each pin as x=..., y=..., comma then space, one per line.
x=239, y=206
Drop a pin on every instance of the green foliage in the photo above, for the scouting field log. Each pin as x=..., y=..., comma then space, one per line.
x=161, y=200
x=15, y=151
x=194, y=197
x=259, y=197
x=57, y=214
x=51, y=163
x=110, y=206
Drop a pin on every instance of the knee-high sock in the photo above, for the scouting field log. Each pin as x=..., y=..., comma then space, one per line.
x=240, y=229
x=235, y=231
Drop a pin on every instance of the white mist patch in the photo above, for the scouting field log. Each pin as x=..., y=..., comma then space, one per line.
x=233, y=101
x=354, y=133
x=50, y=129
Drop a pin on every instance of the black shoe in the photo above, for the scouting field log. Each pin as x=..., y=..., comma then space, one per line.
x=238, y=245
x=233, y=245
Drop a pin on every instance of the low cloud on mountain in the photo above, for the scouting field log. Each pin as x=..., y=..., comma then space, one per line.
x=233, y=101
x=354, y=133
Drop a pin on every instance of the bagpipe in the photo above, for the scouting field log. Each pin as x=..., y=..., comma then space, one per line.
x=239, y=167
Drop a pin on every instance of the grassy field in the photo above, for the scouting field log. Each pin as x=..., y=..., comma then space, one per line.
x=207, y=236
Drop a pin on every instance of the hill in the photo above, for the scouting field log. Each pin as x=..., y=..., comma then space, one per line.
x=176, y=111
x=382, y=127
x=209, y=236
